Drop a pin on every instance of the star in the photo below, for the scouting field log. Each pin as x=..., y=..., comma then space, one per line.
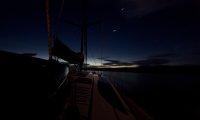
x=114, y=30
x=122, y=9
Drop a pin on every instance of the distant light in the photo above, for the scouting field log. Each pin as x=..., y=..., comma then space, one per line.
x=114, y=30
x=122, y=9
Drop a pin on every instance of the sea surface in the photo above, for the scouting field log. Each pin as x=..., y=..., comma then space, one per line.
x=162, y=96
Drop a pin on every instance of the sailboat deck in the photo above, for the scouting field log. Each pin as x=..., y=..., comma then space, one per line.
x=94, y=104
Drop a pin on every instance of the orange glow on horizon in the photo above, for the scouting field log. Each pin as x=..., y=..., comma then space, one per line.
x=115, y=66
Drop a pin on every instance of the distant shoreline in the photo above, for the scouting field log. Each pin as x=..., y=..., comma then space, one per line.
x=153, y=69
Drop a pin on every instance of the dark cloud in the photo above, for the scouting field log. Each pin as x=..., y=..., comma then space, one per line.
x=119, y=64
x=112, y=61
x=109, y=64
x=164, y=55
x=103, y=58
x=116, y=63
x=139, y=8
x=158, y=59
x=152, y=62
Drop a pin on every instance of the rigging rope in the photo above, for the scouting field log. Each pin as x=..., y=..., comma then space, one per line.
x=58, y=17
x=101, y=42
x=48, y=29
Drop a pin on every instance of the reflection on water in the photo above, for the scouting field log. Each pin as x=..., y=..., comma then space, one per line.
x=163, y=96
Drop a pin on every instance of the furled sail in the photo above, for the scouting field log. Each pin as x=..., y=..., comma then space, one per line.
x=60, y=50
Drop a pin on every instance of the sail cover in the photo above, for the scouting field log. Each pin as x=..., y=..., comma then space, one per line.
x=60, y=50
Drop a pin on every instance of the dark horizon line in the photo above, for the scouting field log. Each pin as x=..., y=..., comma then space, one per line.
x=191, y=69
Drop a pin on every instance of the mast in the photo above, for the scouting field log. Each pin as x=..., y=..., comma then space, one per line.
x=84, y=30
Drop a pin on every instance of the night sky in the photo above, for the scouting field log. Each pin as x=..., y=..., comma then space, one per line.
x=121, y=32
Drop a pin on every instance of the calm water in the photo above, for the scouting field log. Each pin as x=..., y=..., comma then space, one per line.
x=163, y=96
